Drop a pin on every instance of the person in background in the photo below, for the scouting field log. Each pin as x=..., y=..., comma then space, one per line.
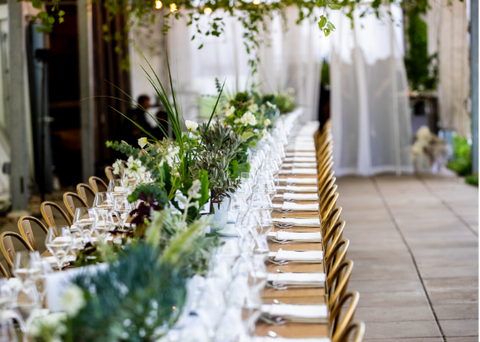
x=131, y=132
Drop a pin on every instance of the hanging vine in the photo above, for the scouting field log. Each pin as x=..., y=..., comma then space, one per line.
x=251, y=14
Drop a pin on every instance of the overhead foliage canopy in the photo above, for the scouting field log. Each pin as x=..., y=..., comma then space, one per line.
x=251, y=14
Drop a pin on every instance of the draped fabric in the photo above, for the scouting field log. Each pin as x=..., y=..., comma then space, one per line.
x=447, y=35
x=289, y=58
x=369, y=110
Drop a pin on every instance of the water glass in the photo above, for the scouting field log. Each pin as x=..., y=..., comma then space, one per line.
x=59, y=245
x=25, y=267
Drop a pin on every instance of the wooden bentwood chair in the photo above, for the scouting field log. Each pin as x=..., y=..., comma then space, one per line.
x=25, y=226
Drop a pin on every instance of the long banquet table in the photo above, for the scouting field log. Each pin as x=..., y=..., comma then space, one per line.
x=298, y=295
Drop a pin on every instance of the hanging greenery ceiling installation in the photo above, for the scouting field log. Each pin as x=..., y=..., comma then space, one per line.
x=253, y=16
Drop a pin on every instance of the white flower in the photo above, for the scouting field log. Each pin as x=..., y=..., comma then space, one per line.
x=117, y=167
x=171, y=154
x=191, y=125
x=253, y=107
x=135, y=168
x=142, y=142
x=230, y=111
x=271, y=105
x=54, y=323
x=248, y=119
x=72, y=299
x=267, y=122
x=195, y=188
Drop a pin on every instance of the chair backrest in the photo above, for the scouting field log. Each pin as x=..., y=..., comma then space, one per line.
x=86, y=193
x=337, y=282
x=4, y=271
x=330, y=219
x=329, y=203
x=109, y=173
x=333, y=237
x=69, y=199
x=97, y=184
x=338, y=325
x=8, y=249
x=336, y=256
x=48, y=208
x=26, y=229
x=357, y=327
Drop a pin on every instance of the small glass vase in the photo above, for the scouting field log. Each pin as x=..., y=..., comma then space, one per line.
x=219, y=212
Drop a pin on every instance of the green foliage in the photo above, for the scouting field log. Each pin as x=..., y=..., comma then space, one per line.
x=221, y=146
x=472, y=179
x=462, y=159
x=135, y=299
x=150, y=189
x=422, y=69
x=325, y=73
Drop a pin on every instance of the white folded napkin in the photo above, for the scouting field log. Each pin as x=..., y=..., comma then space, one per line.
x=53, y=260
x=297, y=313
x=315, y=222
x=301, y=181
x=294, y=236
x=302, y=188
x=300, y=197
x=306, y=256
x=300, y=207
x=283, y=339
x=305, y=147
x=297, y=278
x=299, y=165
x=300, y=160
x=304, y=154
x=299, y=171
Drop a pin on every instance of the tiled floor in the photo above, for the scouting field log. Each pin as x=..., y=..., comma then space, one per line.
x=414, y=242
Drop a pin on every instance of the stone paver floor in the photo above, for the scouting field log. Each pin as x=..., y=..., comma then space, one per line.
x=414, y=243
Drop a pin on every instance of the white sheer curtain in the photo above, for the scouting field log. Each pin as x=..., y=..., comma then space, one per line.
x=448, y=36
x=369, y=103
x=290, y=58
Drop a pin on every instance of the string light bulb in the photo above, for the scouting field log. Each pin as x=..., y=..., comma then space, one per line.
x=207, y=11
x=158, y=4
x=173, y=7
x=256, y=2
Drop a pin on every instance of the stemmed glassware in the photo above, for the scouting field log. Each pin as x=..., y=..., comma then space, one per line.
x=59, y=245
x=26, y=268
x=85, y=219
x=122, y=208
x=26, y=303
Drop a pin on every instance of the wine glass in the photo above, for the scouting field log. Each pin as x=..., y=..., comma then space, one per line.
x=104, y=225
x=59, y=245
x=5, y=295
x=41, y=282
x=103, y=200
x=26, y=303
x=25, y=268
x=85, y=219
x=122, y=208
x=118, y=188
x=237, y=204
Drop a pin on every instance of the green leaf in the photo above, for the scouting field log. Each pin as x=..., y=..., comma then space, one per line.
x=321, y=3
x=323, y=21
x=327, y=32
x=51, y=20
x=335, y=6
x=43, y=15
x=61, y=20
x=193, y=37
x=37, y=4
x=233, y=167
x=61, y=13
x=201, y=46
x=243, y=167
x=330, y=26
x=204, y=188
